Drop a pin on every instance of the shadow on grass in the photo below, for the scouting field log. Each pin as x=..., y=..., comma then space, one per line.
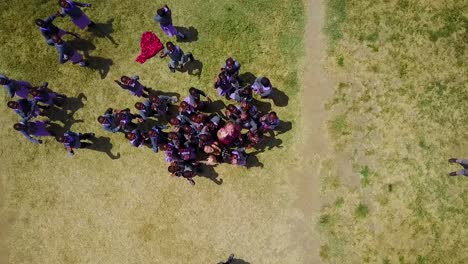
x=268, y=143
x=194, y=68
x=234, y=261
x=209, y=173
x=262, y=106
x=279, y=97
x=83, y=45
x=247, y=78
x=283, y=127
x=190, y=33
x=99, y=64
x=104, y=30
x=239, y=261
x=65, y=114
x=216, y=107
x=103, y=144
x=252, y=160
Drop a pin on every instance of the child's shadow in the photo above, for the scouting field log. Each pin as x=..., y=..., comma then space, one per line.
x=104, y=30
x=210, y=173
x=190, y=33
x=194, y=68
x=103, y=144
x=99, y=64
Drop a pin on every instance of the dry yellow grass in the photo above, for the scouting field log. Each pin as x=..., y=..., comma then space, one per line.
x=399, y=112
x=92, y=209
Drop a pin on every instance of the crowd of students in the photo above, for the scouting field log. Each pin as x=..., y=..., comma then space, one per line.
x=190, y=136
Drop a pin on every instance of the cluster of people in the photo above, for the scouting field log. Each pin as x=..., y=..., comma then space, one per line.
x=190, y=136
x=53, y=35
x=32, y=103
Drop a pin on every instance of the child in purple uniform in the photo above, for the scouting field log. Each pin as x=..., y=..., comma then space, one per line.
x=224, y=86
x=72, y=140
x=67, y=53
x=18, y=88
x=164, y=18
x=48, y=29
x=44, y=95
x=135, y=137
x=72, y=9
x=29, y=129
x=269, y=122
x=25, y=108
x=132, y=85
x=194, y=99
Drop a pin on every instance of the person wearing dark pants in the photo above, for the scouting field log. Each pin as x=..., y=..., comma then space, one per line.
x=73, y=140
x=462, y=162
x=164, y=18
x=178, y=58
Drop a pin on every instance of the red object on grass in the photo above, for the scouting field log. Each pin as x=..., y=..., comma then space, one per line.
x=150, y=46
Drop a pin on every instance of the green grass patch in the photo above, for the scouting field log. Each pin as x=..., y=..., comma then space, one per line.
x=335, y=16
x=400, y=109
x=361, y=211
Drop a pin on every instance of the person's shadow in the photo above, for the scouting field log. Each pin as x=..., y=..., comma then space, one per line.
x=103, y=144
x=193, y=68
x=65, y=114
x=283, y=127
x=268, y=143
x=190, y=33
x=262, y=106
x=209, y=173
x=247, y=78
x=99, y=64
x=104, y=30
x=279, y=97
x=82, y=45
x=215, y=107
x=239, y=261
x=252, y=160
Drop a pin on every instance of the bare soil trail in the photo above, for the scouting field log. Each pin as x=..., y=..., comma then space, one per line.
x=317, y=88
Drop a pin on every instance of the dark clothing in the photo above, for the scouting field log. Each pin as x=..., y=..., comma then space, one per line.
x=165, y=20
x=64, y=49
x=147, y=111
x=48, y=29
x=27, y=109
x=138, y=140
x=111, y=124
x=135, y=88
x=156, y=140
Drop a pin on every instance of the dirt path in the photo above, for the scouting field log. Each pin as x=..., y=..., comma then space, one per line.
x=317, y=90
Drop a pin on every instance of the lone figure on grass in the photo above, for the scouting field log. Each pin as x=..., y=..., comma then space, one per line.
x=73, y=140
x=78, y=17
x=178, y=58
x=164, y=18
x=462, y=162
x=132, y=85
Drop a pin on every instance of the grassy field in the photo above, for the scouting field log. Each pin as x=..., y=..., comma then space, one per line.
x=397, y=114
x=118, y=204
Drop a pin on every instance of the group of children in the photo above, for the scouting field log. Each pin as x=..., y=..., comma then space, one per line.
x=191, y=136
x=53, y=35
